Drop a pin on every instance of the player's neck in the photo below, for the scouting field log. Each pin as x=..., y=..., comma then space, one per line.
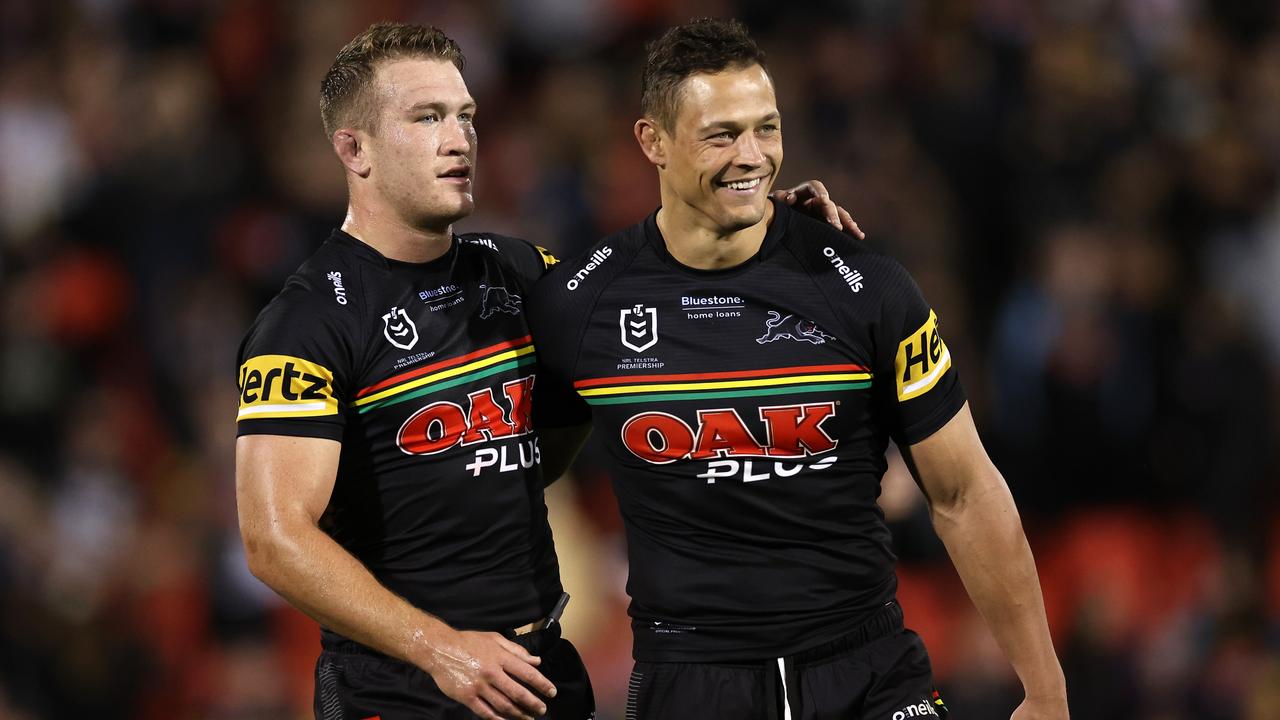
x=694, y=239
x=387, y=233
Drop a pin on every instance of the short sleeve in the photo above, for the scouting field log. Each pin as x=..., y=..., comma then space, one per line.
x=294, y=370
x=918, y=382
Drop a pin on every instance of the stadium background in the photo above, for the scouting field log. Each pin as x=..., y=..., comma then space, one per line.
x=1086, y=190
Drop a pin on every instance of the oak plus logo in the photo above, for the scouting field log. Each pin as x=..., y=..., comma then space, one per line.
x=444, y=425
x=723, y=439
x=639, y=326
x=399, y=330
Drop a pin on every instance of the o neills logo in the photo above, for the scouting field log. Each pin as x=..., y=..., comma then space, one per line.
x=597, y=258
x=789, y=431
x=919, y=710
x=851, y=277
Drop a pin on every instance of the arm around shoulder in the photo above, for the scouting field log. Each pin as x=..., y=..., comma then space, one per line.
x=974, y=514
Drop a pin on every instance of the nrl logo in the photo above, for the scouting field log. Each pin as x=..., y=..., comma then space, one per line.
x=399, y=329
x=780, y=327
x=639, y=326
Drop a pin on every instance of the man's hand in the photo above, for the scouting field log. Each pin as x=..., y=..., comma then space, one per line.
x=812, y=199
x=1042, y=708
x=484, y=671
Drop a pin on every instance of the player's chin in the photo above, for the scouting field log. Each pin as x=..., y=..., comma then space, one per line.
x=736, y=216
x=456, y=207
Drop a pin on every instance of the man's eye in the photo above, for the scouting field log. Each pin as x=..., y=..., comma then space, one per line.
x=429, y=118
x=726, y=135
x=768, y=129
x=465, y=117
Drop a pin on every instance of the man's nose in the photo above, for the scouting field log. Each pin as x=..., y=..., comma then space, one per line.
x=456, y=139
x=749, y=153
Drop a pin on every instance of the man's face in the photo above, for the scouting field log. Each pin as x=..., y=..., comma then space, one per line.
x=423, y=148
x=726, y=148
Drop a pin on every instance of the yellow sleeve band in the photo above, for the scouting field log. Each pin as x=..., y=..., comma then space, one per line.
x=283, y=386
x=922, y=360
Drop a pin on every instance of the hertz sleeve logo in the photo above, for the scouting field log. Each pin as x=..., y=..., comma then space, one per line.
x=281, y=386
x=922, y=360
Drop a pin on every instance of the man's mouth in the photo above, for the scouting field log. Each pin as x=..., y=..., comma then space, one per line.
x=744, y=184
x=461, y=171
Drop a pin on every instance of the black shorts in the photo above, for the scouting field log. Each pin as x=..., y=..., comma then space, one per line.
x=354, y=683
x=880, y=671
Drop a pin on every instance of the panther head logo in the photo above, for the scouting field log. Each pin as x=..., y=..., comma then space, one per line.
x=498, y=299
x=779, y=327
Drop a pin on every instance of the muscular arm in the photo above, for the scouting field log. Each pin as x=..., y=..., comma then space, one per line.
x=560, y=446
x=974, y=515
x=283, y=485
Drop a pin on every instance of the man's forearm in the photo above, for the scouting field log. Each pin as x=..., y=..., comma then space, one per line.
x=315, y=574
x=984, y=536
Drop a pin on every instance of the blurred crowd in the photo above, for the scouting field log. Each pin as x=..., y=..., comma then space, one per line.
x=1087, y=191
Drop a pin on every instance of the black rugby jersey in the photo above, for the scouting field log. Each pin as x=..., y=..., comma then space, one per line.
x=746, y=413
x=424, y=372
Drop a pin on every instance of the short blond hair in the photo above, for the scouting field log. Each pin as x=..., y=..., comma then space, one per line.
x=345, y=98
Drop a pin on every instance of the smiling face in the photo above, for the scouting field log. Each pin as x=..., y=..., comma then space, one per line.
x=723, y=153
x=422, y=149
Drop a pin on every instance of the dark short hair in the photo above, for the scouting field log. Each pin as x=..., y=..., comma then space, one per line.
x=705, y=45
x=345, y=98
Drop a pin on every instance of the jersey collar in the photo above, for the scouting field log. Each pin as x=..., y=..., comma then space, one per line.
x=772, y=238
x=367, y=252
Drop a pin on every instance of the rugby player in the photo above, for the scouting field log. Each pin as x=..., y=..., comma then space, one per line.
x=747, y=367
x=388, y=476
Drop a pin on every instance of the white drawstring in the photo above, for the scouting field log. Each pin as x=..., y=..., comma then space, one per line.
x=786, y=701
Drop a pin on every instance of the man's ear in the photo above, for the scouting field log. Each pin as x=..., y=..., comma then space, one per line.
x=351, y=149
x=652, y=141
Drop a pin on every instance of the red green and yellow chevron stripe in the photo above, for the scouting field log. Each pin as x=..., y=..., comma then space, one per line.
x=733, y=384
x=446, y=374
